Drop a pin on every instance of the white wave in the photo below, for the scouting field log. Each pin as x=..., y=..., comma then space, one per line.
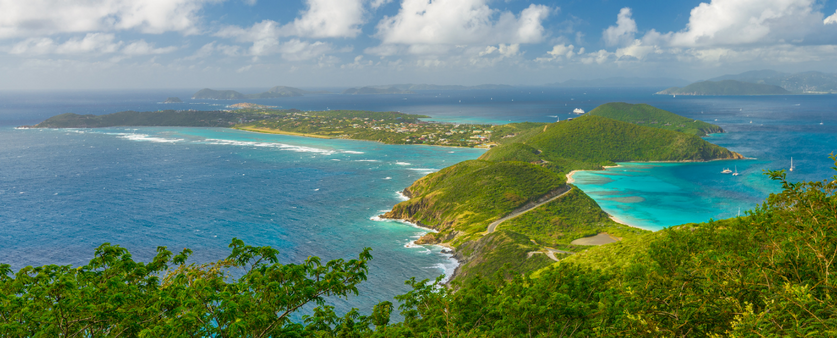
x=352, y=152
x=367, y=161
x=401, y=196
x=448, y=267
x=281, y=146
x=424, y=170
x=146, y=138
x=402, y=163
x=387, y=178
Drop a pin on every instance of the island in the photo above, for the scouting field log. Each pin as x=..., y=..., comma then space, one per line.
x=376, y=91
x=173, y=100
x=272, y=93
x=247, y=105
x=810, y=82
x=211, y=94
x=725, y=87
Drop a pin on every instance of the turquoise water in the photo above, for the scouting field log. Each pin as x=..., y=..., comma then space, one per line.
x=767, y=130
x=64, y=192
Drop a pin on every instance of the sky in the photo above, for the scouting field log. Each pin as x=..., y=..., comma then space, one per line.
x=134, y=44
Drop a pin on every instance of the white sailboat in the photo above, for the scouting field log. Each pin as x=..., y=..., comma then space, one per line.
x=791, y=167
x=736, y=171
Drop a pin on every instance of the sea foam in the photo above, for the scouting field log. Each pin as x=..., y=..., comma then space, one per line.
x=281, y=146
x=146, y=138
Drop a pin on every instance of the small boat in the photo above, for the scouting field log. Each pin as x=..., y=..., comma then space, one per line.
x=736, y=171
x=726, y=171
x=791, y=167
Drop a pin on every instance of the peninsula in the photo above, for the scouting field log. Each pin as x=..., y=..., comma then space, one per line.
x=513, y=207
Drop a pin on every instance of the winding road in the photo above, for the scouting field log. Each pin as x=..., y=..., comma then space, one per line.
x=527, y=208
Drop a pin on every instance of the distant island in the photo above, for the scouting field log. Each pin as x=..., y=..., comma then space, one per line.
x=247, y=105
x=275, y=92
x=660, y=82
x=797, y=83
x=725, y=87
x=412, y=88
x=375, y=91
x=173, y=100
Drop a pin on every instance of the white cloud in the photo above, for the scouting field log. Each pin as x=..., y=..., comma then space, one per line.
x=144, y=48
x=378, y=3
x=562, y=50
x=329, y=19
x=623, y=32
x=91, y=43
x=47, y=17
x=741, y=22
x=296, y=50
x=461, y=22
x=502, y=49
x=831, y=19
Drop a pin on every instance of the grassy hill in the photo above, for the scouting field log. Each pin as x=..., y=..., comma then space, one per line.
x=464, y=198
x=726, y=87
x=650, y=116
x=590, y=142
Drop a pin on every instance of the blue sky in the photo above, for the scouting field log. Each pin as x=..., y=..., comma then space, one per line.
x=95, y=44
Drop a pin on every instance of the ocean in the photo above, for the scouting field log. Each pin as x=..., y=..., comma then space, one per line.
x=64, y=192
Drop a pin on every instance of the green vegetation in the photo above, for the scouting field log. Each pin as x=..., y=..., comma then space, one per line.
x=170, y=118
x=497, y=251
x=654, y=117
x=769, y=274
x=386, y=127
x=573, y=216
x=462, y=199
x=725, y=87
x=115, y=296
x=591, y=142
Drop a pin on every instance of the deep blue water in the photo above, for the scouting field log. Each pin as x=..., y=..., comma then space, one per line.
x=63, y=192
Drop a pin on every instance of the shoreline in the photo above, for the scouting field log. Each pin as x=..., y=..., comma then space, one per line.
x=290, y=133
x=449, y=255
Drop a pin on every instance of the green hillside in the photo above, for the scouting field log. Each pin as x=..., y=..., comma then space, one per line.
x=725, y=87
x=169, y=118
x=571, y=217
x=590, y=142
x=600, y=140
x=463, y=198
x=650, y=116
